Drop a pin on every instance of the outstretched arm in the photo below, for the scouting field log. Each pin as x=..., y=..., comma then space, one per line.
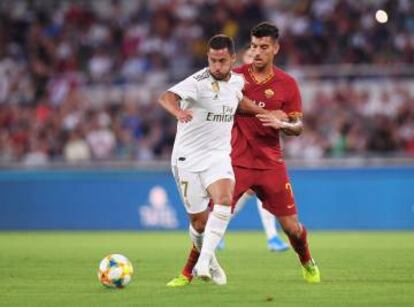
x=293, y=126
x=247, y=106
x=170, y=102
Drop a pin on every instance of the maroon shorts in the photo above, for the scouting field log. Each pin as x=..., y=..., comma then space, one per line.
x=271, y=186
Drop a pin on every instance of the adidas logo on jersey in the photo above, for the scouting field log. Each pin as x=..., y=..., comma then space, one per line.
x=202, y=76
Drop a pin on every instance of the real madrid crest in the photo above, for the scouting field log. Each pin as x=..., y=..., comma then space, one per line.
x=216, y=88
x=269, y=93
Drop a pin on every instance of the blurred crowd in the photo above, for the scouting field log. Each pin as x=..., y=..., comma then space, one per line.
x=52, y=52
x=356, y=119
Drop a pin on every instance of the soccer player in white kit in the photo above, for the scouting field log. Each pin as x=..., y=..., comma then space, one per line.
x=204, y=105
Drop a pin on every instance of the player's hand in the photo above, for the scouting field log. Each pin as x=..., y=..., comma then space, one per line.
x=280, y=115
x=184, y=116
x=271, y=120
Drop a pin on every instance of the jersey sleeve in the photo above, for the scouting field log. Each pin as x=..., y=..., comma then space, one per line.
x=240, y=88
x=293, y=106
x=238, y=70
x=186, y=89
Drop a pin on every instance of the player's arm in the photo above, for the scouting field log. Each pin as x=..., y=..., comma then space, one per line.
x=171, y=102
x=291, y=125
x=294, y=126
x=247, y=106
x=291, y=121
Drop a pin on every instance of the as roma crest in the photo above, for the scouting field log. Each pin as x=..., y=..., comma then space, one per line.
x=269, y=93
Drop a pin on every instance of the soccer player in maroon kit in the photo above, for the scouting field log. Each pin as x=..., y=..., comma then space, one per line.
x=257, y=156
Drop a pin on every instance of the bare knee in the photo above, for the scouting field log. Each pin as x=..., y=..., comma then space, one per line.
x=291, y=226
x=199, y=226
x=221, y=192
x=199, y=222
x=225, y=199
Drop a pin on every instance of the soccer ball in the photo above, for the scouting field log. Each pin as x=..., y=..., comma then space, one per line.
x=115, y=271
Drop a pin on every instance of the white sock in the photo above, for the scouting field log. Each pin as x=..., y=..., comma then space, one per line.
x=196, y=237
x=241, y=203
x=268, y=220
x=216, y=226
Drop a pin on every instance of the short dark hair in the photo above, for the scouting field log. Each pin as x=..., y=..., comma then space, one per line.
x=221, y=41
x=246, y=47
x=265, y=29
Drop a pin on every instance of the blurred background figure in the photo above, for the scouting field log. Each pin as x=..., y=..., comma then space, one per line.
x=268, y=220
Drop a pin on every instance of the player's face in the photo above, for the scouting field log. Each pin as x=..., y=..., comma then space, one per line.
x=248, y=56
x=263, y=50
x=220, y=63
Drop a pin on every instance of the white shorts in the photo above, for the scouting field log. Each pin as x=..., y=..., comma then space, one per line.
x=193, y=185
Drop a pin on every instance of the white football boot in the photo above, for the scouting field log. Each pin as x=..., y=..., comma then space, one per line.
x=217, y=273
x=202, y=269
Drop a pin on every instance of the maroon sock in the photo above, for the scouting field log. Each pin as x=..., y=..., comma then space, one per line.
x=300, y=245
x=191, y=262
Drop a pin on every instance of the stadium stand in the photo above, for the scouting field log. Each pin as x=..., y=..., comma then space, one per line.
x=78, y=82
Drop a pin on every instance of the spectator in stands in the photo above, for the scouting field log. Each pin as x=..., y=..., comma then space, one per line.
x=64, y=70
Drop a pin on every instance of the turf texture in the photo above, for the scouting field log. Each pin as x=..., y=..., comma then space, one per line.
x=59, y=269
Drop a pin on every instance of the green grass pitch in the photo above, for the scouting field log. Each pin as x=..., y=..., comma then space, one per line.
x=59, y=269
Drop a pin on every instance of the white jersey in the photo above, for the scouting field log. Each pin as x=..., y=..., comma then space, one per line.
x=207, y=137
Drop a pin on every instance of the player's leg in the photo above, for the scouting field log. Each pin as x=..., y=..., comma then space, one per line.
x=220, y=183
x=239, y=191
x=242, y=184
x=297, y=235
x=237, y=208
x=195, y=199
x=221, y=245
x=275, y=190
x=196, y=231
x=217, y=273
x=221, y=192
x=242, y=201
x=274, y=242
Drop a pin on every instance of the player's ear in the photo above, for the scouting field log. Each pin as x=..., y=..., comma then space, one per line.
x=277, y=47
x=233, y=58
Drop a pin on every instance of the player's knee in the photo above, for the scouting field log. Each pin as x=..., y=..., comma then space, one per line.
x=199, y=222
x=225, y=200
x=199, y=225
x=291, y=229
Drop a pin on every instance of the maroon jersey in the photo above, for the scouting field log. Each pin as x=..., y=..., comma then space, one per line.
x=253, y=145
